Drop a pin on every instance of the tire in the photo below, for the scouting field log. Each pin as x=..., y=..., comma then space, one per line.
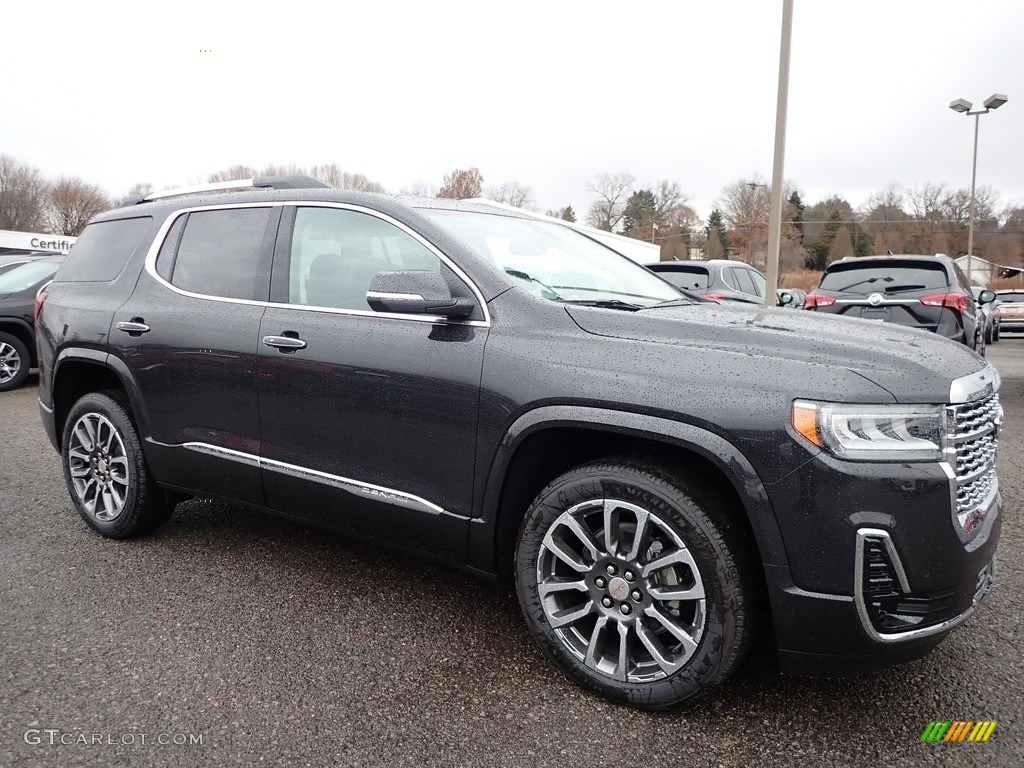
x=105, y=469
x=995, y=334
x=676, y=650
x=15, y=361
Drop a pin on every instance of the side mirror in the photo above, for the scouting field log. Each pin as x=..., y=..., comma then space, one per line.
x=986, y=297
x=416, y=292
x=785, y=298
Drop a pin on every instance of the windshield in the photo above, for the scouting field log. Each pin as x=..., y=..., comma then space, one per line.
x=27, y=275
x=555, y=262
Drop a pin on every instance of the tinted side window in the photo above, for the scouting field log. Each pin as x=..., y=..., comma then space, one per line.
x=103, y=249
x=729, y=278
x=962, y=279
x=744, y=281
x=165, y=259
x=221, y=254
x=335, y=253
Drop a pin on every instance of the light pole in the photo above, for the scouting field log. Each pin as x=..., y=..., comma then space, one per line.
x=995, y=101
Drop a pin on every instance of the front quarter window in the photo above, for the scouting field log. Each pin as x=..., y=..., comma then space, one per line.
x=555, y=262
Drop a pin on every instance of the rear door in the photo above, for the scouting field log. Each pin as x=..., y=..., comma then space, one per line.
x=369, y=419
x=188, y=336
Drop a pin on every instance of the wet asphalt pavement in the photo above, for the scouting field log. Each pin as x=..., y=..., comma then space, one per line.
x=273, y=644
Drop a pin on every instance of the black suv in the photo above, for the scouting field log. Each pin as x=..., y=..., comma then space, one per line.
x=927, y=292
x=654, y=474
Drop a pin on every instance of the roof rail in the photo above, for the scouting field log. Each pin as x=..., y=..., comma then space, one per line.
x=293, y=181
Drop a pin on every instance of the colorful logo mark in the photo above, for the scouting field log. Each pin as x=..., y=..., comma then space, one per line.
x=958, y=730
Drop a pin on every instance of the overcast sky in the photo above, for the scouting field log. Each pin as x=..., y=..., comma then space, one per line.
x=548, y=94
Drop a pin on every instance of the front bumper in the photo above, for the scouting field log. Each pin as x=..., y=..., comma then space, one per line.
x=885, y=575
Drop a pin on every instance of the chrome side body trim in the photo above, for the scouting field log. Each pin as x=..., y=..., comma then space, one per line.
x=368, y=490
x=858, y=594
x=154, y=251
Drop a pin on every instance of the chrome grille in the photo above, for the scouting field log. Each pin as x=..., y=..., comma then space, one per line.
x=973, y=439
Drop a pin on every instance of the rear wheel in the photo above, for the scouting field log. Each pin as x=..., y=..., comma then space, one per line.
x=631, y=581
x=105, y=470
x=14, y=362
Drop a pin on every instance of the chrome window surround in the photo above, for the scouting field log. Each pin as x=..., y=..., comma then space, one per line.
x=369, y=490
x=858, y=593
x=154, y=251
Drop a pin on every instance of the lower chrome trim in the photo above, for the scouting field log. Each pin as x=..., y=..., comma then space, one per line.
x=44, y=406
x=367, y=490
x=858, y=594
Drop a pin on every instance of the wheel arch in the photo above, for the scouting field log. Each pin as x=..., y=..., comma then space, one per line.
x=23, y=333
x=547, y=441
x=78, y=372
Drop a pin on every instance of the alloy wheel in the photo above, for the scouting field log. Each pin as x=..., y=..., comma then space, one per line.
x=98, y=464
x=10, y=362
x=621, y=590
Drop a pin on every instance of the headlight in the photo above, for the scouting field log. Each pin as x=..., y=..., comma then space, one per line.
x=873, y=432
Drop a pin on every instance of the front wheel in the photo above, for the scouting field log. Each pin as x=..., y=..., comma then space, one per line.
x=632, y=580
x=105, y=470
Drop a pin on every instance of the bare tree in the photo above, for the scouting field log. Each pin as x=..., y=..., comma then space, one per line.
x=713, y=248
x=419, y=189
x=233, y=173
x=512, y=193
x=23, y=196
x=138, y=189
x=612, y=193
x=841, y=246
x=72, y=203
x=333, y=174
x=462, y=184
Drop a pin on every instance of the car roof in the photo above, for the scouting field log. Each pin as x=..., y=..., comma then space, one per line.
x=850, y=261
x=385, y=203
x=700, y=263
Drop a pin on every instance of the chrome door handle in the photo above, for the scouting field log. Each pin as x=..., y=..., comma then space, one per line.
x=284, y=343
x=132, y=327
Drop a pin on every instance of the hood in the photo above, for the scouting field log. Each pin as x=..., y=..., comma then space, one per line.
x=912, y=365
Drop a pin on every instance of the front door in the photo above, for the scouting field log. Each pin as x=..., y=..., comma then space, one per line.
x=368, y=419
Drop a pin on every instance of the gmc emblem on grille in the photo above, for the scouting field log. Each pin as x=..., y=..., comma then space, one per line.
x=973, y=519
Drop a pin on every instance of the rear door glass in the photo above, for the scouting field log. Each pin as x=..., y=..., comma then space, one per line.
x=223, y=253
x=885, y=278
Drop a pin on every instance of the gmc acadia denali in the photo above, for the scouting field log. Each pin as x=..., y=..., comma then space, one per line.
x=504, y=394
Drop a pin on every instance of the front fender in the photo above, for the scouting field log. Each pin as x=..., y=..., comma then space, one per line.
x=723, y=454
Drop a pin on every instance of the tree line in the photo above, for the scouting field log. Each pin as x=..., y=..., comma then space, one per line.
x=928, y=218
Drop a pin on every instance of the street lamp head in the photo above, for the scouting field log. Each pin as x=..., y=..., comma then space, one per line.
x=995, y=101
x=960, y=105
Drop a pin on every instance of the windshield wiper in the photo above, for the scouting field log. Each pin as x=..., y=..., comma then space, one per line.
x=545, y=288
x=605, y=304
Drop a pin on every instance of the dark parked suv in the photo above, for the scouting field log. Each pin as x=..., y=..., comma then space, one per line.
x=655, y=475
x=927, y=292
x=18, y=289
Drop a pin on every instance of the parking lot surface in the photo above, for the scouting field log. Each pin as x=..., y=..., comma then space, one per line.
x=274, y=644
